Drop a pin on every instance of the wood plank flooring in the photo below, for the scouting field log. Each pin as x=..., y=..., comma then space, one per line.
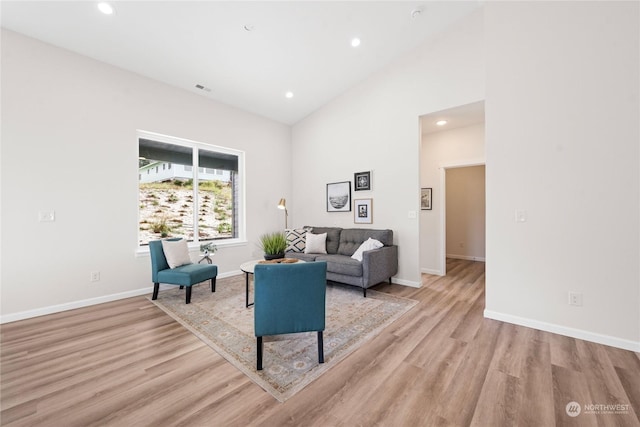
x=126, y=363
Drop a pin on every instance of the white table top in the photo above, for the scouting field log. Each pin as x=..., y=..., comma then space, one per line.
x=248, y=266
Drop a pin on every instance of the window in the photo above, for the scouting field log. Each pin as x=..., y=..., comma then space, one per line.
x=184, y=200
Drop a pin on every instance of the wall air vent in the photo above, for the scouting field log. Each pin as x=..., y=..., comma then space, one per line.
x=206, y=89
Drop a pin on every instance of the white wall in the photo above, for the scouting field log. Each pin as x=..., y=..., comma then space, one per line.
x=562, y=144
x=375, y=126
x=440, y=150
x=563, y=138
x=465, y=213
x=69, y=144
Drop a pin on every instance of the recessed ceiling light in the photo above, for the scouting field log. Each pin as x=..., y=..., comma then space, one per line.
x=106, y=8
x=249, y=27
x=355, y=42
x=415, y=13
x=289, y=95
x=441, y=122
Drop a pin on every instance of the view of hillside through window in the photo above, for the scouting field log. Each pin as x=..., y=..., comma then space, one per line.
x=167, y=202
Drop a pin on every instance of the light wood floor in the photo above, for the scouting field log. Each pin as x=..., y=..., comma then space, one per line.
x=126, y=363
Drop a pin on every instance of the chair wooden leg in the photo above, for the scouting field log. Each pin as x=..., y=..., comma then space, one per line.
x=259, y=354
x=156, y=287
x=181, y=287
x=189, y=294
x=364, y=292
x=320, y=348
x=213, y=284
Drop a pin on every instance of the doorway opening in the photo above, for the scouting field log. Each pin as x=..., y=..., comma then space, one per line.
x=450, y=139
x=464, y=213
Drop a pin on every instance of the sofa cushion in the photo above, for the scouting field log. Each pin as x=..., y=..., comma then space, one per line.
x=302, y=256
x=341, y=265
x=176, y=252
x=352, y=238
x=296, y=239
x=333, y=237
x=316, y=243
x=368, y=245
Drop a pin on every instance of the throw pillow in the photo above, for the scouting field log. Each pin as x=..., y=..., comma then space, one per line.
x=367, y=245
x=316, y=243
x=296, y=239
x=176, y=252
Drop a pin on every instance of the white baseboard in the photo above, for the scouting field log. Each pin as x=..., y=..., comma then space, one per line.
x=43, y=311
x=467, y=257
x=229, y=274
x=28, y=314
x=13, y=317
x=403, y=282
x=566, y=331
x=431, y=271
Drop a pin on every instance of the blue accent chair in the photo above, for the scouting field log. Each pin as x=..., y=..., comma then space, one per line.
x=289, y=298
x=183, y=276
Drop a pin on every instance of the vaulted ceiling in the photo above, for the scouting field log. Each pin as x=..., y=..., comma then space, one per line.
x=244, y=54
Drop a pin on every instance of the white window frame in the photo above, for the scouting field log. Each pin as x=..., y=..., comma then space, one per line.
x=240, y=199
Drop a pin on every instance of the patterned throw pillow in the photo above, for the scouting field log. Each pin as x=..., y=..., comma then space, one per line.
x=296, y=239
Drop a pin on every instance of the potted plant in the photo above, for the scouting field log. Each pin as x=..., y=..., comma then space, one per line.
x=208, y=248
x=273, y=245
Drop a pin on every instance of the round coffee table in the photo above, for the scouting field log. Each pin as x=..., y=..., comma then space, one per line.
x=248, y=268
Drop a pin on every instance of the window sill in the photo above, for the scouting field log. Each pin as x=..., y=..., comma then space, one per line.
x=143, y=251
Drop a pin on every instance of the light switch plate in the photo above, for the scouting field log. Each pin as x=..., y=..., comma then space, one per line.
x=46, y=216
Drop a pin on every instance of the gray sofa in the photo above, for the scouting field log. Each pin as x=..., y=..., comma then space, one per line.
x=377, y=265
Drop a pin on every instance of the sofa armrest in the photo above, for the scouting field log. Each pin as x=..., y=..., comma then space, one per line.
x=379, y=265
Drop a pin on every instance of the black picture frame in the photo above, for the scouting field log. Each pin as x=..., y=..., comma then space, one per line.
x=426, y=199
x=362, y=181
x=339, y=196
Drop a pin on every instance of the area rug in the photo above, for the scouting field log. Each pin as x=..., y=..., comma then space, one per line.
x=290, y=362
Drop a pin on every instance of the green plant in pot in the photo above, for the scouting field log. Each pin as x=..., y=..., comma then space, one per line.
x=273, y=245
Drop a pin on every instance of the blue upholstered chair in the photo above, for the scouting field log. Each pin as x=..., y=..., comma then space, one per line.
x=183, y=276
x=289, y=298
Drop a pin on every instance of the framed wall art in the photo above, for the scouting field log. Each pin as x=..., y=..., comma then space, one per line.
x=425, y=199
x=363, y=211
x=339, y=197
x=362, y=181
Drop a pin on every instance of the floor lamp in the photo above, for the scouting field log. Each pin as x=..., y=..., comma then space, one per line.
x=283, y=205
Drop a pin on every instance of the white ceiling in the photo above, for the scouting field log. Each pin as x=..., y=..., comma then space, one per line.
x=456, y=117
x=298, y=46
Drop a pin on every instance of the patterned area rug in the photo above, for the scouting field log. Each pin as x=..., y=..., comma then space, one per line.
x=290, y=362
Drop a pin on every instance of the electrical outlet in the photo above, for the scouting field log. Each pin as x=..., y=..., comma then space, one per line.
x=95, y=276
x=575, y=298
